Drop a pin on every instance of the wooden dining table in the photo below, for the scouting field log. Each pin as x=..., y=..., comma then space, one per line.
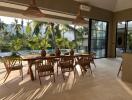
x=32, y=58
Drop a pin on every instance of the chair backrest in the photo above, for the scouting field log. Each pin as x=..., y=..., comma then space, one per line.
x=84, y=59
x=67, y=53
x=11, y=61
x=48, y=61
x=67, y=60
x=42, y=66
x=93, y=54
x=52, y=54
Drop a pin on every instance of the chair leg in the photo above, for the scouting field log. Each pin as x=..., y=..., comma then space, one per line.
x=22, y=73
x=54, y=77
x=5, y=74
x=40, y=80
x=90, y=69
x=35, y=73
x=74, y=72
x=6, y=77
x=57, y=68
x=63, y=74
x=83, y=67
x=94, y=64
x=119, y=70
x=28, y=72
x=82, y=71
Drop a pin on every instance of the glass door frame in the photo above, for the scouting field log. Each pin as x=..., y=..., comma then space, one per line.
x=124, y=37
x=126, y=33
x=106, y=36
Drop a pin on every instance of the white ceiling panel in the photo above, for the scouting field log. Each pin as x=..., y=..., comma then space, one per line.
x=112, y=5
x=123, y=4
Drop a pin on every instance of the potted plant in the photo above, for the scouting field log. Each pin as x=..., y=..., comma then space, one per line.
x=71, y=52
x=43, y=52
x=57, y=52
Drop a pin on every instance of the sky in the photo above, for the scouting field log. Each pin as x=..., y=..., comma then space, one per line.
x=9, y=20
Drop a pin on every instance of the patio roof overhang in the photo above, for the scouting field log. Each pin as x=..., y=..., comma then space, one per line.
x=60, y=10
x=13, y=10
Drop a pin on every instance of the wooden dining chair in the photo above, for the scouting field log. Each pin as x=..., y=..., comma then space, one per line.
x=35, y=62
x=12, y=63
x=57, y=59
x=67, y=64
x=92, y=56
x=45, y=69
x=84, y=62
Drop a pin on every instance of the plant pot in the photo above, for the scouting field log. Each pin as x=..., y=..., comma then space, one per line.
x=15, y=54
x=43, y=53
x=58, y=52
x=72, y=52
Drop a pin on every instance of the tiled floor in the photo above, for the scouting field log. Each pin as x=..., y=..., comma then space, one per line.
x=102, y=85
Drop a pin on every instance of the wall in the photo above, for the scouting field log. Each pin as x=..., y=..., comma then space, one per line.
x=126, y=67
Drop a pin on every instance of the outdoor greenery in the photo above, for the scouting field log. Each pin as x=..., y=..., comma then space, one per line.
x=129, y=41
x=37, y=35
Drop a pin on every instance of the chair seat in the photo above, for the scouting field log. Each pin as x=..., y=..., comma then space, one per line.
x=12, y=63
x=56, y=59
x=68, y=69
x=37, y=61
x=84, y=63
x=45, y=68
x=66, y=64
x=16, y=67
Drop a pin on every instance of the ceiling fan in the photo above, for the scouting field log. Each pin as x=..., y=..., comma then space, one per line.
x=33, y=10
x=79, y=20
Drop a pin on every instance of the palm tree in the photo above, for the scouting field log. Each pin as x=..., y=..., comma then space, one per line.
x=53, y=35
x=77, y=34
x=28, y=29
x=3, y=26
x=16, y=44
x=37, y=27
x=22, y=25
x=17, y=28
x=129, y=41
x=51, y=31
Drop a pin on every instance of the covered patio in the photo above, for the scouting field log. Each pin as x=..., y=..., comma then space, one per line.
x=83, y=47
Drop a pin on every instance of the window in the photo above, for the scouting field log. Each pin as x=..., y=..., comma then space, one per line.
x=120, y=38
x=98, y=38
x=129, y=37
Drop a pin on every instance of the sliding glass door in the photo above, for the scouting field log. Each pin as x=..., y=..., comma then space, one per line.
x=129, y=37
x=120, y=38
x=123, y=37
x=99, y=38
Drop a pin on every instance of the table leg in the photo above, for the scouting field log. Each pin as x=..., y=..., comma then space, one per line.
x=30, y=70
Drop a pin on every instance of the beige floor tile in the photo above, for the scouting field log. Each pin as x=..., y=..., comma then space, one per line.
x=102, y=85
